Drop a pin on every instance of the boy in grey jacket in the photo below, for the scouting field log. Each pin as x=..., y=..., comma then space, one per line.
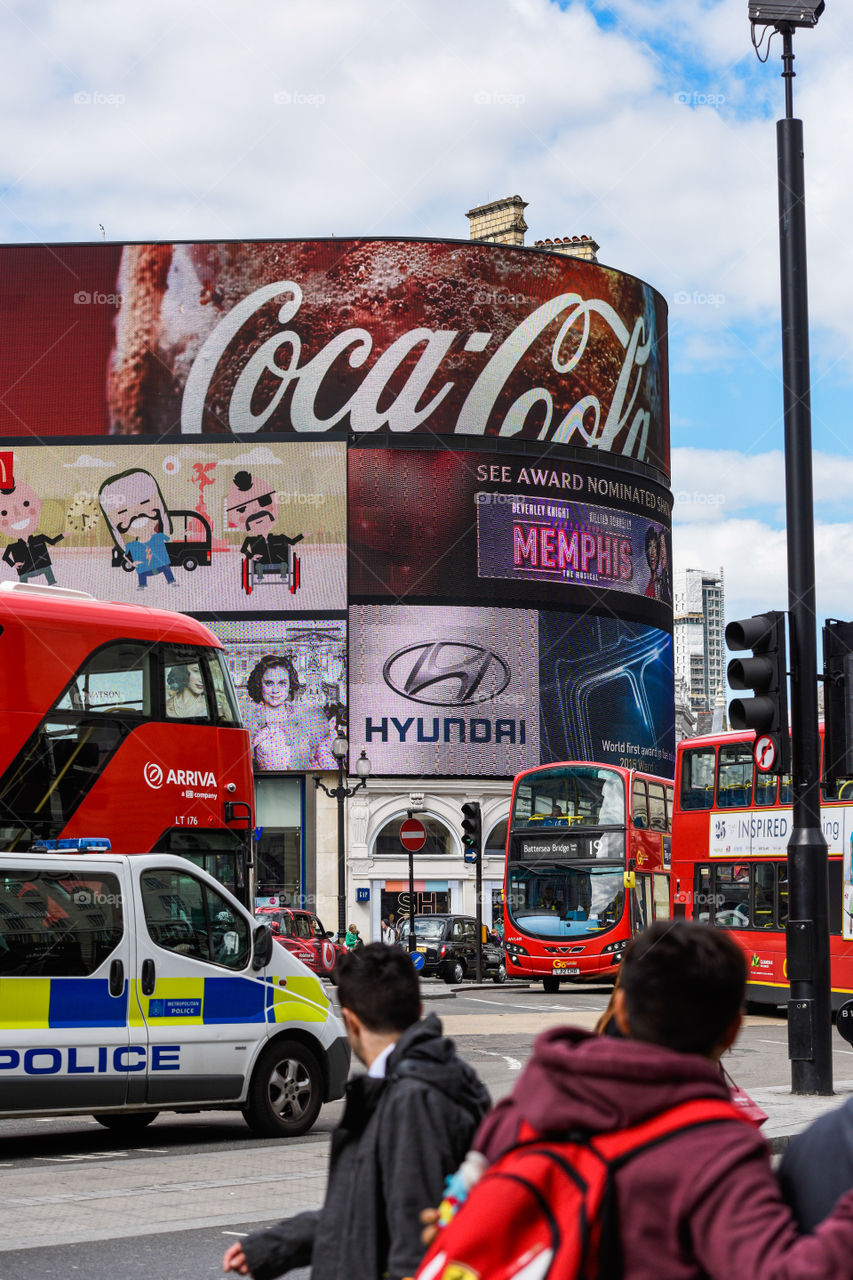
x=407, y=1124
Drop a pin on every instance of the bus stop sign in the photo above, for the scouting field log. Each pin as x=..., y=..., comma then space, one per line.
x=844, y=1021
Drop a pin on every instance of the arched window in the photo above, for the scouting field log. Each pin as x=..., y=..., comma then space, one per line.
x=439, y=841
x=496, y=840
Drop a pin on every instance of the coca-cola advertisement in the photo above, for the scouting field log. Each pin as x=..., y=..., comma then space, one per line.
x=403, y=336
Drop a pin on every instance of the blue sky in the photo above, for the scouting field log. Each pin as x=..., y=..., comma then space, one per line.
x=648, y=124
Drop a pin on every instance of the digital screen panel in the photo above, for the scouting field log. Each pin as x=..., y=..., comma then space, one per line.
x=210, y=527
x=448, y=338
x=504, y=528
x=489, y=692
x=448, y=691
x=291, y=684
x=606, y=692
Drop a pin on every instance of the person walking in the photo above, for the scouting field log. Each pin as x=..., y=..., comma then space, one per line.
x=352, y=938
x=407, y=1124
x=389, y=934
x=696, y=1196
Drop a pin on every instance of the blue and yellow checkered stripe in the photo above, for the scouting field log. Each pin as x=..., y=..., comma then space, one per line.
x=48, y=1003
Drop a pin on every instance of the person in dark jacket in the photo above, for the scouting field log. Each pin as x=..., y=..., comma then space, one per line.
x=817, y=1167
x=704, y=1202
x=406, y=1126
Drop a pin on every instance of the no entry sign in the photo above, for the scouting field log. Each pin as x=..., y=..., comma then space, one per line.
x=412, y=835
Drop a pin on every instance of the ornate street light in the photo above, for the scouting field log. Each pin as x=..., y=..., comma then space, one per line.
x=340, y=793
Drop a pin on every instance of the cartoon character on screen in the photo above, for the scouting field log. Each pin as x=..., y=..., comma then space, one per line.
x=20, y=513
x=138, y=519
x=251, y=505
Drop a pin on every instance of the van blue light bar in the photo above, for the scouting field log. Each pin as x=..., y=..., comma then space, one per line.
x=79, y=844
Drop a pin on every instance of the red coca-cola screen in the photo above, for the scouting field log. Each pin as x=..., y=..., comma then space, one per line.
x=404, y=336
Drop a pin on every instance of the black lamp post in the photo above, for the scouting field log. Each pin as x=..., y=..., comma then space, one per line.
x=809, y=1010
x=340, y=750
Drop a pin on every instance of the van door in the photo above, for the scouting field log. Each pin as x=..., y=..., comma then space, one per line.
x=65, y=951
x=200, y=1001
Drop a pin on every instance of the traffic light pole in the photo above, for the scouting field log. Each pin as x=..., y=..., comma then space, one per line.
x=478, y=889
x=809, y=1008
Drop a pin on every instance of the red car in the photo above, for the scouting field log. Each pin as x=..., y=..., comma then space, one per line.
x=303, y=934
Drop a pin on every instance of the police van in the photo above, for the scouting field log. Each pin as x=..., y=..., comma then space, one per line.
x=133, y=984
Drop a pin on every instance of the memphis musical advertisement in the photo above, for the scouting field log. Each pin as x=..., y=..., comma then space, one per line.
x=365, y=336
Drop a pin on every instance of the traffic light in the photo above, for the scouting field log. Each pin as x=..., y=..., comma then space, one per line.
x=472, y=831
x=837, y=701
x=765, y=674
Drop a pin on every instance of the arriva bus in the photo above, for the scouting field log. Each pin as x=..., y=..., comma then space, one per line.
x=120, y=721
x=729, y=866
x=587, y=864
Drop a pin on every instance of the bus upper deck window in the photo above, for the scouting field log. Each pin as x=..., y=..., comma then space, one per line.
x=697, y=778
x=639, y=803
x=227, y=711
x=657, y=806
x=185, y=693
x=734, y=782
x=115, y=679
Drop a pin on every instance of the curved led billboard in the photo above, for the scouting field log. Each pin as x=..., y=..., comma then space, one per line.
x=508, y=608
x=442, y=337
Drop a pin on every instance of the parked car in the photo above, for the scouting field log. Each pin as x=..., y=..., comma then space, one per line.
x=302, y=933
x=448, y=944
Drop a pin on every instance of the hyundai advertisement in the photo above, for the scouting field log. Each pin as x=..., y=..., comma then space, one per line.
x=433, y=337
x=451, y=691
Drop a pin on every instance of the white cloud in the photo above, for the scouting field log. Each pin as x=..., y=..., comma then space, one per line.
x=86, y=460
x=710, y=484
x=259, y=456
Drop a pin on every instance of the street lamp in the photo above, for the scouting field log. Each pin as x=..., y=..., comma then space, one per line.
x=807, y=930
x=340, y=750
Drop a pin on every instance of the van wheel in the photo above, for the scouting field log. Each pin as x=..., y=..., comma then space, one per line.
x=551, y=985
x=286, y=1091
x=500, y=973
x=454, y=973
x=128, y=1122
x=189, y=563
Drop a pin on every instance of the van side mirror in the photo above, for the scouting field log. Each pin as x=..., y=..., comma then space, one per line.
x=261, y=946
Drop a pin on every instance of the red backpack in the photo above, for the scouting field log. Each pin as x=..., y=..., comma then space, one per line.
x=546, y=1208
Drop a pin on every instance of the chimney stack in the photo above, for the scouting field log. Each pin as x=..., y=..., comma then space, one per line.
x=501, y=222
x=572, y=246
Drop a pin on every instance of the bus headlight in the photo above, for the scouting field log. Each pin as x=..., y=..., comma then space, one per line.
x=513, y=949
x=615, y=946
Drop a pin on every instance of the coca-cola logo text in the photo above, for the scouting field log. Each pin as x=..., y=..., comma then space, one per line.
x=276, y=367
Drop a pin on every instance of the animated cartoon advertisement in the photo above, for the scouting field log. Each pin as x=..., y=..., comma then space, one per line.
x=202, y=528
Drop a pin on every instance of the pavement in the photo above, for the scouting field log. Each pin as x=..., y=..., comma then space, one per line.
x=787, y=1113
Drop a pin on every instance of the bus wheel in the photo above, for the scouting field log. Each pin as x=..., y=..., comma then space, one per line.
x=127, y=1122
x=551, y=985
x=286, y=1091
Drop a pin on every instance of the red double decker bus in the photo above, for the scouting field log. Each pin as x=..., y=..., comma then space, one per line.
x=120, y=721
x=587, y=864
x=729, y=866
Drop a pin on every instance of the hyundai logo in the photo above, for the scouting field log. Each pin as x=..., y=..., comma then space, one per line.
x=446, y=673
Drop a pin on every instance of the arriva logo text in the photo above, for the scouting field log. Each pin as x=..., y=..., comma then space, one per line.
x=155, y=777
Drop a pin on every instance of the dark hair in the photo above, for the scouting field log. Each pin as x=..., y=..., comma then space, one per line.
x=243, y=481
x=379, y=985
x=267, y=663
x=651, y=537
x=684, y=985
x=178, y=678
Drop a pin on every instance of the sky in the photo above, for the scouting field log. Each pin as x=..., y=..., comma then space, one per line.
x=647, y=124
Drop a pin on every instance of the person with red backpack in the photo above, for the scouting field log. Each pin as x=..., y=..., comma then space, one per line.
x=626, y=1157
